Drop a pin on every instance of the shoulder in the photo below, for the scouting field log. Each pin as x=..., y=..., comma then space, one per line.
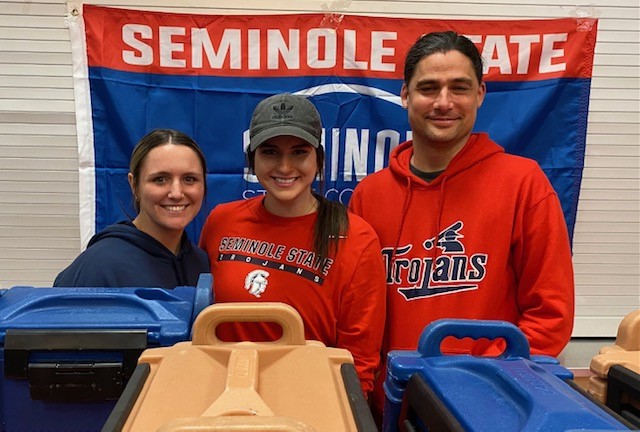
x=514, y=169
x=233, y=208
x=382, y=181
x=232, y=215
x=360, y=229
x=523, y=176
x=375, y=178
x=98, y=264
x=518, y=165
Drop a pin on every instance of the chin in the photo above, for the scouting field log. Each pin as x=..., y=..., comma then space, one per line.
x=176, y=227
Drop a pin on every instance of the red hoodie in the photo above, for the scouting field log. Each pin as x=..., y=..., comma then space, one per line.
x=493, y=225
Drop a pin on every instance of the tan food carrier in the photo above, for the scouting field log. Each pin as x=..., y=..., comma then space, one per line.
x=623, y=358
x=210, y=385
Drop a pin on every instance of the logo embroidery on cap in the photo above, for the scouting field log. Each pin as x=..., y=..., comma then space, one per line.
x=282, y=111
x=256, y=282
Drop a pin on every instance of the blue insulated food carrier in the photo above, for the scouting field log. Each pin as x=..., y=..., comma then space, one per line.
x=67, y=353
x=428, y=391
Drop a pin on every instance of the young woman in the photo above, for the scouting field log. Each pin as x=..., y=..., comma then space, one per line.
x=294, y=246
x=167, y=179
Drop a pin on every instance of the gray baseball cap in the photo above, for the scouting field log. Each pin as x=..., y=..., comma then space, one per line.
x=285, y=114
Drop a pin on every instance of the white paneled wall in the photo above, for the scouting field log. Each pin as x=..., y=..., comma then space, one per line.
x=39, y=229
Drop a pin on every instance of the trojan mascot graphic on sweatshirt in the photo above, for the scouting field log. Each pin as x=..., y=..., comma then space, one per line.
x=452, y=270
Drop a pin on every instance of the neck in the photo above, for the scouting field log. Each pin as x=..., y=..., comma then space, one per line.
x=432, y=157
x=300, y=207
x=169, y=239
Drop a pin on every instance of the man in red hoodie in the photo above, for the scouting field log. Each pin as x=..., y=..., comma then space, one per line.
x=466, y=230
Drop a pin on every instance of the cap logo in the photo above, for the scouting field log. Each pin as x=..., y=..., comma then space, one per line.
x=282, y=112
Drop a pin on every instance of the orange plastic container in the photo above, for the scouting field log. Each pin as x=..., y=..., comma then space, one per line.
x=625, y=352
x=210, y=385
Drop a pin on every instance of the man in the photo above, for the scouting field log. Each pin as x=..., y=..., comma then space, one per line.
x=466, y=230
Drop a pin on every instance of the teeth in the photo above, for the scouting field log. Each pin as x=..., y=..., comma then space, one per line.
x=284, y=181
x=175, y=208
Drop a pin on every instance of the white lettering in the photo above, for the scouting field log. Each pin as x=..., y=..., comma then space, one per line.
x=355, y=154
x=378, y=51
x=282, y=49
x=382, y=150
x=277, y=47
x=496, y=44
x=524, y=50
x=168, y=47
x=549, y=53
x=254, y=49
x=229, y=45
x=335, y=148
x=328, y=58
x=143, y=56
x=350, y=52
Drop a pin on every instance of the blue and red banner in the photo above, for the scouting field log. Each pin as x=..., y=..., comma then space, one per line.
x=135, y=71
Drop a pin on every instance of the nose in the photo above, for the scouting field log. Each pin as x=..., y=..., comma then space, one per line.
x=176, y=191
x=285, y=164
x=443, y=99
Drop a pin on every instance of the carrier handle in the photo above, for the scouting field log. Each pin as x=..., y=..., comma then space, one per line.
x=204, y=294
x=204, y=327
x=433, y=335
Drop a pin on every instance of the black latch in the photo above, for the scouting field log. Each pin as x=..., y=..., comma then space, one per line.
x=84, y=379
x=75, y=381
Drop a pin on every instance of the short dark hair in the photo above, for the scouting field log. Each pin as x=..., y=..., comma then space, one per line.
x=441, y=42
x=156, y=138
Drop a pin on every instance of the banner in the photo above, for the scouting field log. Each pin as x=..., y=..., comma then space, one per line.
x=135, y=71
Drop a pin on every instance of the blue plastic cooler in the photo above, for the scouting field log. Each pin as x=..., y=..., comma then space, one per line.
x=512, y=392
x=67, y=353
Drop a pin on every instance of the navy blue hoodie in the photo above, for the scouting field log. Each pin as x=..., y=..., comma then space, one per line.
x=123, y=256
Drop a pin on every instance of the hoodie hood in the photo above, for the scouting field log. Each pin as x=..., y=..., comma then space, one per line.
x=478, y=147
x=128, y=232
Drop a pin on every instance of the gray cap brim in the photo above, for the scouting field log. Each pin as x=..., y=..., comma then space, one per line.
x=280, y=130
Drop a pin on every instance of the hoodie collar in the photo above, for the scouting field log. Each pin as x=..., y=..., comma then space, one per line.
x=127, y=231
x=478, y=147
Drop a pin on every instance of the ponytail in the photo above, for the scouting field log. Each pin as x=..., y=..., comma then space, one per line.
x=332, y=224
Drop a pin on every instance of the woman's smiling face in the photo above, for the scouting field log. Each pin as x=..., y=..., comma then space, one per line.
x=287, y=166
x=169, y=189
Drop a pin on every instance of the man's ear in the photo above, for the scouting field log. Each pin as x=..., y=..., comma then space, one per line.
x=482, y=91
x=404, y=94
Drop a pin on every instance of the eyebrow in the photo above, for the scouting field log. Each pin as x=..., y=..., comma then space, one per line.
x=461, y=80
x=167, y=173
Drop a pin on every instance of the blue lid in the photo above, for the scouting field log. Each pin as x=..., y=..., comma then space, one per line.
x=505, y=393
x=166, y=314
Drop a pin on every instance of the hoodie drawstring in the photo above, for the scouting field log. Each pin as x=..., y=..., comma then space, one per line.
x=405, y=210
x=439, y=210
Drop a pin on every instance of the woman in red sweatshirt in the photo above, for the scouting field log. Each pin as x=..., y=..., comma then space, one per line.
x=294, y=246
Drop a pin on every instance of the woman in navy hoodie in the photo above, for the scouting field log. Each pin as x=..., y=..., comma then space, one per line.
x=167, y=175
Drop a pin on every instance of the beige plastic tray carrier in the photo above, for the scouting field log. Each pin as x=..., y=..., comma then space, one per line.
x=210, y=385
x=625, y=352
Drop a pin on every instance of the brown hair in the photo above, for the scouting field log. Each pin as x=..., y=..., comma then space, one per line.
x=441, y=42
